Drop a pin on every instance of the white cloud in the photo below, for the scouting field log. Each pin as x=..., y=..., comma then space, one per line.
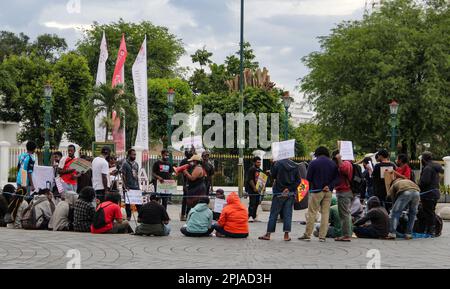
x=255, y=9
x=286, y=50
x=63, y=26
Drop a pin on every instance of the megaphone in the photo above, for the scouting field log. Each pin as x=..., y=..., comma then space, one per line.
x=181, y=168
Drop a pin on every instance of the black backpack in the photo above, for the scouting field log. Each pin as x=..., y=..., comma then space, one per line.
x=99, y=218
x=357, y=183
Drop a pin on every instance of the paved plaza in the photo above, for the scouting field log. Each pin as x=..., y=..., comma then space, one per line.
x=43, y=249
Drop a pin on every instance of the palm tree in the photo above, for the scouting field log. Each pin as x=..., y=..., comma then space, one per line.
x=106, y=98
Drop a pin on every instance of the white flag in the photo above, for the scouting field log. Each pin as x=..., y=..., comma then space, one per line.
x=101, y=79
x=140, y=91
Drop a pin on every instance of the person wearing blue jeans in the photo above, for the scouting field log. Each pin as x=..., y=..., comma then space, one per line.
x=406, y=194
x=286, y=174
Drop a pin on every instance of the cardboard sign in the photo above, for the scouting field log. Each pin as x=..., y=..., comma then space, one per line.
x=219, y=204
x=168, y=187
x=283, y=150
x=388, y=177
x=261, y=183
x=81, y=165
x=134, y=197
x=346, y=150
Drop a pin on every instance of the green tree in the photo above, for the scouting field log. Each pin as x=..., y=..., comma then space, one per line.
x=8, y=92
x=232, y=62
x=106, y=98
x=202, y=57
x=12, y=44
x=49, y=46
x=401, y=52
x=157, y=100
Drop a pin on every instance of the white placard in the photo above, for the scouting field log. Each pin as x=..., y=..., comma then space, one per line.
x=168, y=187
x=383, y=170
x=133, y=197
x=42, y=176
x=346, y=150
x=219, y=204
x=283, y=150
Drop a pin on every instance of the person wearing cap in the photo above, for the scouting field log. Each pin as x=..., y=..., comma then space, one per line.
x=153, y=219
x=195, y=177
x=100, y=174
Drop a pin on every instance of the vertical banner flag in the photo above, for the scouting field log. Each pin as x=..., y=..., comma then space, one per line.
x=140, y=91
x=100, y=131
x=119, y=78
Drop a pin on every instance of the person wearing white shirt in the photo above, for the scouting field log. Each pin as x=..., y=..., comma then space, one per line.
x=100, y=174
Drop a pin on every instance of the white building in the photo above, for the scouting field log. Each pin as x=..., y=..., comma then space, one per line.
x=9, y=131
x=301, y=111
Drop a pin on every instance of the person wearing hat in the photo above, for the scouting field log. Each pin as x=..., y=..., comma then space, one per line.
x=195, y=177
x=153, y=219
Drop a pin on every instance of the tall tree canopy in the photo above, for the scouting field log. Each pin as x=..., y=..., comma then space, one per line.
x=400, y=52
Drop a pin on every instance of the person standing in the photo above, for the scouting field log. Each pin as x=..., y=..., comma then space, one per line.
x=429, y=186
x=68, y=175
x=162, y=170
x=251, y=180
x=100, y=174
x=187, y=155
x=405, y=195
x=322, y=175
x=130, y=173
x=85, y=179
x=368, y=171
x=287, y=178
x=25, y=168
x=208, y=169
x=344, y=195
x=379, y=186
x=196, y=188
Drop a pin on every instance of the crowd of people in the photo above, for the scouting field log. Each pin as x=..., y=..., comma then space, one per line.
x=350, y=201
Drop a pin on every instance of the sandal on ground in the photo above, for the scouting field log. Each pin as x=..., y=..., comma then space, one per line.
x=266, y=238
x=343, y=239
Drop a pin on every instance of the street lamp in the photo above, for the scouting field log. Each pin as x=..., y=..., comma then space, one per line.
x=287, y=101
x=48, y=89
x=393, y=108
x=170, y=101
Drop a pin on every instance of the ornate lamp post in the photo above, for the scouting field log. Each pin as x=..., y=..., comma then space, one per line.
x=241, y=105
x=393, y=108
x=48, y=89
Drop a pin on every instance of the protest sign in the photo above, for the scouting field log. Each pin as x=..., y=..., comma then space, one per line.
x=81, y=165
x=43, y=177
x=346, y=150
x=219, y=204
x=283, y=150
x=167, y=187
x=134, y=197
x=261, y=183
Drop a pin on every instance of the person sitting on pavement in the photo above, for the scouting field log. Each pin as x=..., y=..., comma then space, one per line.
x=335, y=227
x=111, y=220
x=220, y=194
x=5, y=199
x=199, y=221
x=62, y=218
x=43, y=207
x=84, y=210
x=16, y=206
x=233, y=221
x=379, y=221
x=153, y=219
x=406, y=195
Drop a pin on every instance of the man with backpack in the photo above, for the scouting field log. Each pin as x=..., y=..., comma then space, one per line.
x=39, y=212
x=344, y=195
x=108, y=217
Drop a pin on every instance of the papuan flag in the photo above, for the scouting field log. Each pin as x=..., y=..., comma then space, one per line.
x=140, y=91
x=100, y=131
x=119, y=78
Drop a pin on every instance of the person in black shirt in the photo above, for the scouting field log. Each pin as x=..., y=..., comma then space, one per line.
x=153, y=219
x=379, y=187
x=187, y=154
x=379, y=221
x=162, y=170
x=251, y=179
x=208, y=168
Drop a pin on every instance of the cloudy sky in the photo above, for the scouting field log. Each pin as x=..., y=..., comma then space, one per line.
x=280, y=31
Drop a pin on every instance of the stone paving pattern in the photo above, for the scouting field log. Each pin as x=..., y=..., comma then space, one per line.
x=43, y=249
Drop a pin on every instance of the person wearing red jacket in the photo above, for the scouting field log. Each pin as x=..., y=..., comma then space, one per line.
x=233, y=221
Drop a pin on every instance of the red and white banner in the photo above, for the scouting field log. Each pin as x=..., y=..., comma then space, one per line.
x=119, y=78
